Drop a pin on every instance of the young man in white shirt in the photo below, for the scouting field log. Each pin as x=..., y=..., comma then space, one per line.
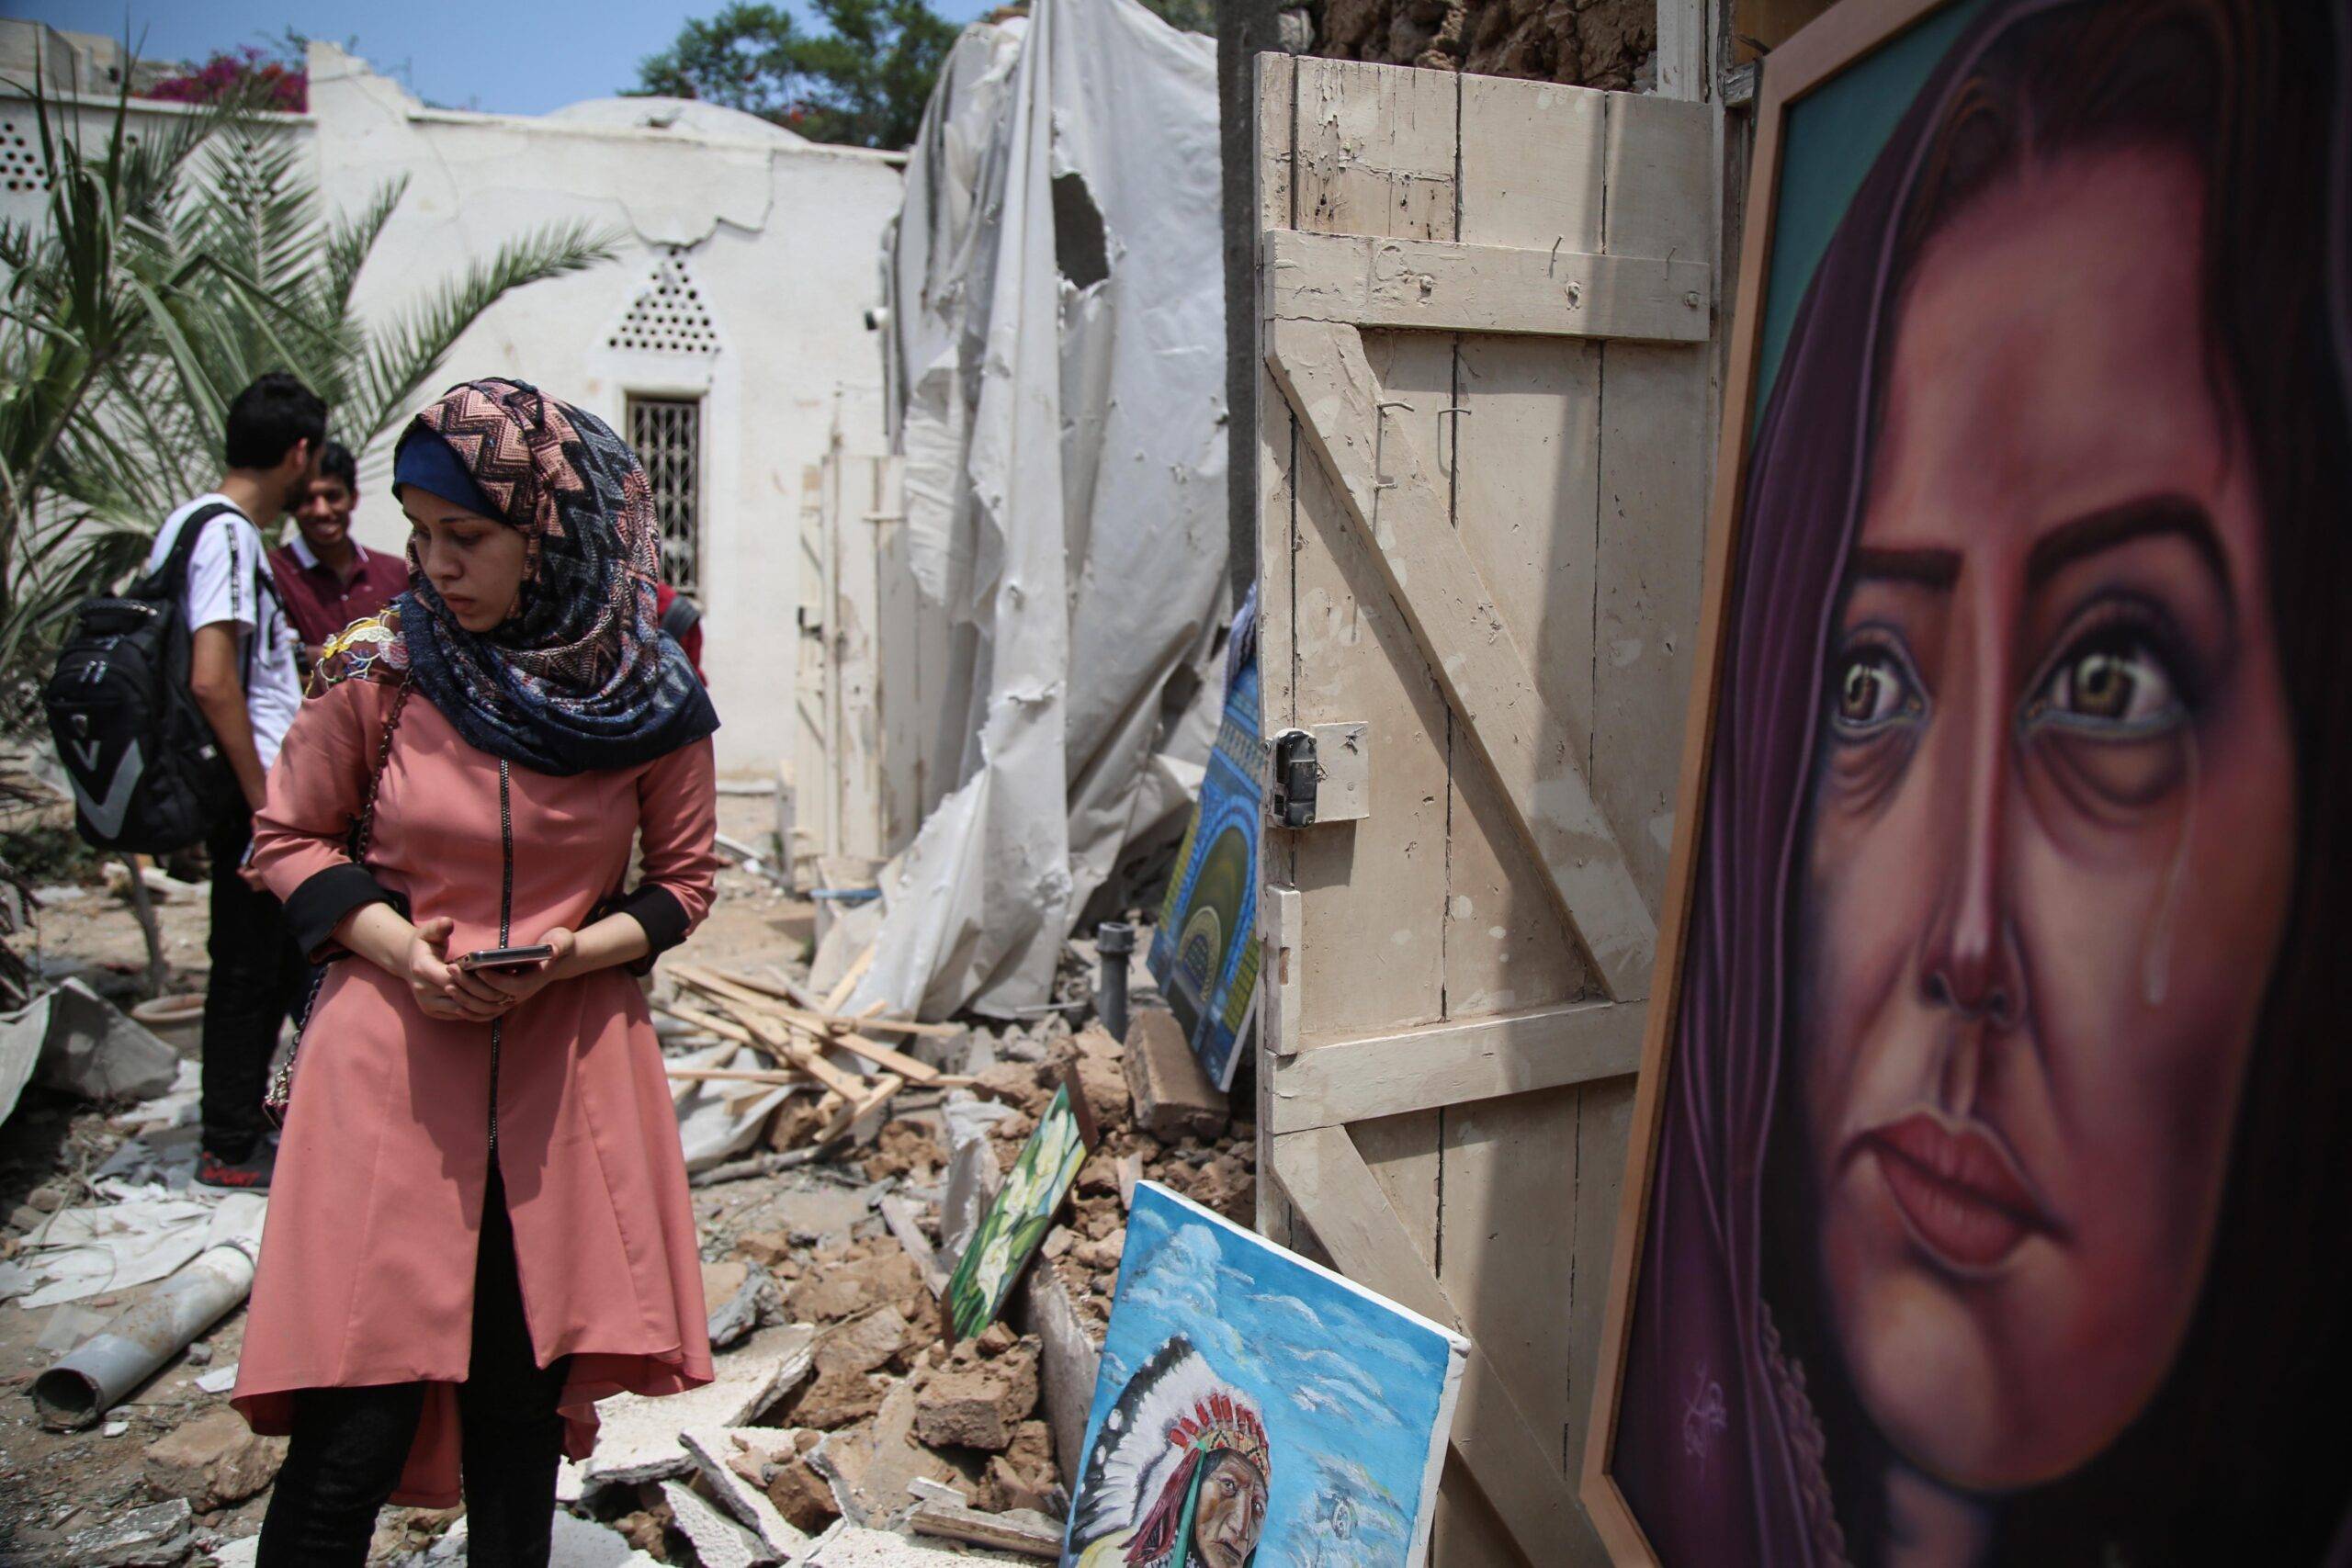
x=242, y=673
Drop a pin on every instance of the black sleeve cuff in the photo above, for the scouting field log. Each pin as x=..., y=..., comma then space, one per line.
x=663, y=918
x=325, y=902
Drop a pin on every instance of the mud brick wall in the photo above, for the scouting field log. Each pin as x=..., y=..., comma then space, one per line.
x=1587, y=43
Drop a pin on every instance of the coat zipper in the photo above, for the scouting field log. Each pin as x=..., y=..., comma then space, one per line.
x=505, y=930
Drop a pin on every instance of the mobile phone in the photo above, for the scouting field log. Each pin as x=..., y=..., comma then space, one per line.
x=504, y=958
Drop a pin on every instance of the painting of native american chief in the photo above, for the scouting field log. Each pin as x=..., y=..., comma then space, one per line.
x=1254, y=1410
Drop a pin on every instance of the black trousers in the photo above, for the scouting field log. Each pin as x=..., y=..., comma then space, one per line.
x=257, y=980
x=349, y=1443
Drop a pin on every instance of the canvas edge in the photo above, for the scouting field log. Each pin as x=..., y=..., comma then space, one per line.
x=1825, y=49
x=1424, y=1522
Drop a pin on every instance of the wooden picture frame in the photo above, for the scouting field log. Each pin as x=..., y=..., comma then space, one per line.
x=1820, y=55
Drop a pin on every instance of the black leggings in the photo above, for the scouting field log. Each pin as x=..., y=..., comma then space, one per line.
x=350, y=1443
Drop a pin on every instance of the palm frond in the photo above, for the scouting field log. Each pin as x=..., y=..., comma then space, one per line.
x=405, y=351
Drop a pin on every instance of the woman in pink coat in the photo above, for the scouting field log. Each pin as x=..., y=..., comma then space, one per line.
x=480, y=1224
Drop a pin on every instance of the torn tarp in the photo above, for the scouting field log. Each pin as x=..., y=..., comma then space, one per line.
x=1055, y=350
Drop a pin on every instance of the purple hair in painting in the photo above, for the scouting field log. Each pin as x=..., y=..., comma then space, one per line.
x=2006, y=1309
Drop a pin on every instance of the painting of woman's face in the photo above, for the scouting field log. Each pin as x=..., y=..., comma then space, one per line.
x=2051, y=834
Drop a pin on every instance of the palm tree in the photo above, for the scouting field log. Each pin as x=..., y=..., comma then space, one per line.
x=172, y=270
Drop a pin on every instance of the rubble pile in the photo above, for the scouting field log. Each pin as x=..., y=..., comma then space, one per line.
x=839, y=1162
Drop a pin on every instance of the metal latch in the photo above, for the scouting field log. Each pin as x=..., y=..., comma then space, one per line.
x=1291, y=802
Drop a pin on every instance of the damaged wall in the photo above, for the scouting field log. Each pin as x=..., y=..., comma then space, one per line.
x=1585, y=43
x=743, y=281
x=1057, y=344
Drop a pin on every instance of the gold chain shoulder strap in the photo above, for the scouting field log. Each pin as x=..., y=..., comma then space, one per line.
x=363, y=830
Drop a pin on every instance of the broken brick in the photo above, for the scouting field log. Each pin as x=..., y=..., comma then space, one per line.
x=1173, y=1098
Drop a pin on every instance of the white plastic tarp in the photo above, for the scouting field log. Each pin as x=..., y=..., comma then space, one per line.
x=1057, y=356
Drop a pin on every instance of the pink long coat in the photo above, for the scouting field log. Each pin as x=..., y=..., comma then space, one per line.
x=366, y=1270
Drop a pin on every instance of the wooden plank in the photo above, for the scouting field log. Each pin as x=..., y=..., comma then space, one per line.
x=1375, y=154
x=811, y=769
x=1514, y=1469
x=1437, y=287
x=1604, y=1114
x=1651, y=528
x=847, y=984
x=1276, y=122
x=774, y=1037
x=856, y=667
x=1324, y=374
x=819, y=1031
x=813, y=1006
x=1510, y=1266
x=1457, y=1063
x=1374, y=150
x=952, y=1521
x=900, y=717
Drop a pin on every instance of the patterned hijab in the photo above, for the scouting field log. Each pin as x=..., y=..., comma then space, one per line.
x=580, y=677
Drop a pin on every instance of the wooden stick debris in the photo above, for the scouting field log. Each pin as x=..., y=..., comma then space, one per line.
x=821, y=1030
x=850, y=978
x=790, y=990
x=952, y=1521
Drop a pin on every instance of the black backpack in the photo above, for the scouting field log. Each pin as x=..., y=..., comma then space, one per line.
x=148, y=776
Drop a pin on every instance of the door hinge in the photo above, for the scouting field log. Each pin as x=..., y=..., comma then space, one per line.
x=1290, y=801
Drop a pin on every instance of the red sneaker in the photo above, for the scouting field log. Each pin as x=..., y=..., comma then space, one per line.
x=249, y=1174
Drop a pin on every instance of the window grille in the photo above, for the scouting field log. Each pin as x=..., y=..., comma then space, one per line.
x=667, y=434
x=669, y=317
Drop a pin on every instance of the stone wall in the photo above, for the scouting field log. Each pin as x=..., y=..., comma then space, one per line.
x=1587, y=43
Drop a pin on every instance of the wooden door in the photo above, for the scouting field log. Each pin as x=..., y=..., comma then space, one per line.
x=1485, y=311
x=811, y=831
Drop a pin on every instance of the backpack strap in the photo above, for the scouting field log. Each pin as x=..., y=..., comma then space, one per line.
x=683, y=616
x=172, y=576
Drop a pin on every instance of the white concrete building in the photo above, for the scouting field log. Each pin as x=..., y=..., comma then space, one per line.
x=727, y=342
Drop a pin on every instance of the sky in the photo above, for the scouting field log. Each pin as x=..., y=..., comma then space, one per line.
x=505, y=59
x=1349, y=1388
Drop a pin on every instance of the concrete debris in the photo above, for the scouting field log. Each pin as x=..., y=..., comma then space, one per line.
x=577, y=1543
x=872, y=1463
x=856, y=1546
x=143, y=1537
x=721, y=1460
x=718, y=1541
x=91, y=1048
x=1174, y=1098
x=161, y=887
x=242, y=1552
x=219, y=1380
x=213, y=1461
x=976, y=1402
x=742, y=1296
x=639, y=1441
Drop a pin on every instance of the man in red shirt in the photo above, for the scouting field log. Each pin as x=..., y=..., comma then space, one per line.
x=326, y=577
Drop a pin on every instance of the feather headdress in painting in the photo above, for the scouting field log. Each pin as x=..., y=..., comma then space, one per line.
x=1171, y=1420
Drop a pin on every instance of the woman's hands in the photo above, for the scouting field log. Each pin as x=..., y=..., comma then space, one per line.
x=418, y=957
x=440, y=987
x=516, y=986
